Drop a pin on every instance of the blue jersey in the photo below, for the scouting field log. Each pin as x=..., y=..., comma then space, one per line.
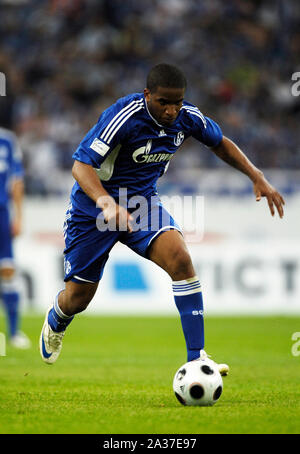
x=10, y=163
x=129, y=149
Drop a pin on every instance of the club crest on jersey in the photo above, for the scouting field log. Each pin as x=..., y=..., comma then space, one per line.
x=142, y=155
x=179, y=138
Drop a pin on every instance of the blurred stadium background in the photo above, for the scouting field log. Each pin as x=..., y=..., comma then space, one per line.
x=67, y=60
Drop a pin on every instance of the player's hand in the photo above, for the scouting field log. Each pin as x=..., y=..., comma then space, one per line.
x=118, y=216
x=262, y=188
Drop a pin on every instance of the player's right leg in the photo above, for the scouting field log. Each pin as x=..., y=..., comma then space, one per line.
x=86, y=253
x=70, y=301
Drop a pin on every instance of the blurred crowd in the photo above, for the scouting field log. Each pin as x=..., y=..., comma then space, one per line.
x=65, y=61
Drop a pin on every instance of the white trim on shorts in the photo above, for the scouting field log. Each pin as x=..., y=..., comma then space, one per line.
x=84, y=280
x=166, y=227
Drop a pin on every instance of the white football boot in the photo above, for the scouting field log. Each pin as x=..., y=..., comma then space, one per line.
x=223, y=368
x=50, y=342
x=20, y=340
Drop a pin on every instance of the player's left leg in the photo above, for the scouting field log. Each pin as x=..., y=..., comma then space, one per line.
x=157, y=237
x=169, y=251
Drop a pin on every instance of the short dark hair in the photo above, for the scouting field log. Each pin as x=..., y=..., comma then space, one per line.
x=166, y=76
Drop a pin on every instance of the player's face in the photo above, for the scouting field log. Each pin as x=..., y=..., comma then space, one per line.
x=164, y=104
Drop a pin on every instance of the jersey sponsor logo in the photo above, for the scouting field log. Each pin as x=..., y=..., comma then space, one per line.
x=179, y=138
x=142, y=155
x=99, y=147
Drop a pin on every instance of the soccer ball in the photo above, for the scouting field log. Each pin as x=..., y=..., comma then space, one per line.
x=198, y=383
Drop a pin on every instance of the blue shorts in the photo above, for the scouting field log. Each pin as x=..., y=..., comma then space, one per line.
x=88, y=243
x=6, y=250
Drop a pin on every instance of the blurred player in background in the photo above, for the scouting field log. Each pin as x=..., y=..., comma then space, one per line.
x=130, y=147
x=11, y=196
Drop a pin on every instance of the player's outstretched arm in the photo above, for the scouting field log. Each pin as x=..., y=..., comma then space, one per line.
x=229, y=152
x=89, y=182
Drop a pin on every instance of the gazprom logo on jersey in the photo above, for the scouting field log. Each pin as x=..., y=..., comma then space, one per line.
x=142, y=155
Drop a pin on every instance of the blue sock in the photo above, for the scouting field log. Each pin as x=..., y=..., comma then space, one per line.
x=10, y=297
x=57, y=319
x=188, y=299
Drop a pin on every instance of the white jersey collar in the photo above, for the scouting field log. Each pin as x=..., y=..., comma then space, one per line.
x=161, y=126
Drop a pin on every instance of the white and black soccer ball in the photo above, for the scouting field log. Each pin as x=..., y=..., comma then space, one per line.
x=198, y=383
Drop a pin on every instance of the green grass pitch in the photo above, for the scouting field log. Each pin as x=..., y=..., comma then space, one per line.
x=114, y=376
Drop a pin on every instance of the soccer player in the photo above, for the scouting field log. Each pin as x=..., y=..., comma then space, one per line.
x=11, y=190
x=116, y=167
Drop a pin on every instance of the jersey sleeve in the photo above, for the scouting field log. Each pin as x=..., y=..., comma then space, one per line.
x=103, y=137
x=212, y=133
x=204, y=128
